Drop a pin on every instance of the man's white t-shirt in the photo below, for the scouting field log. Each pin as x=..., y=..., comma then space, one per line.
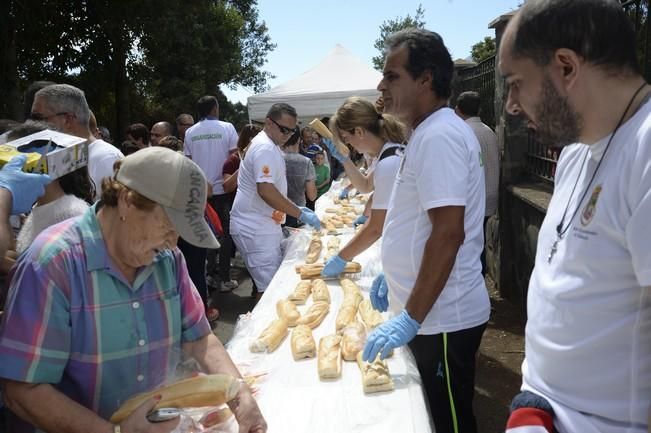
x=588, y=334
x=384, y=175
x=263, y=163
x=101, y=157
x=440, y=167
x=209, y=142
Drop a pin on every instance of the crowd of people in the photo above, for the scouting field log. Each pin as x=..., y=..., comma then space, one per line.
x=101, y=304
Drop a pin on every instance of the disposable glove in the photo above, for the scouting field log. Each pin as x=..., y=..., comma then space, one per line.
x=395, y=333
x=343, y=194
x=360, y=220
x=25, y=188
x=332, y=150
x=309, y=217
x=334, y=266
x=378, y=293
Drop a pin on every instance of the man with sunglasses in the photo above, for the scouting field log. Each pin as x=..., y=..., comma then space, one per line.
x=261, y=202
x=65, y=108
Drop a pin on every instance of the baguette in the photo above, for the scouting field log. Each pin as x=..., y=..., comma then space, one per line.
x=314, y=315
x=352, y=342
x=198, y=391
x=371, y=317
x=329, y=362
x=314, y=271
x=301, y=292
x=303, y=345
x=313, y=251
x=287, y=311
x=271, y=337
x=320, y=291
x=375, y=375
x=348, y=309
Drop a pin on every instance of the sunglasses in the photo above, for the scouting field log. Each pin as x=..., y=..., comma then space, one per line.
x=283, y=129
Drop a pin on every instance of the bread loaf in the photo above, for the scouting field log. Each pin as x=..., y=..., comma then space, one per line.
x=314, y=270
x=375, y=375
x=350, y=304
x=271, y=337
x=313, y=251
x=329, y=362
x=371, y=317
x=303, y=345
x=301, y=292
x=287, y=311
x=320, y=291
x=352, y=342
x=315, y=314
x=198, y=391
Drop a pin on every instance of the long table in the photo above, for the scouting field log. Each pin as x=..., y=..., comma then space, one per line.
x=290, y=393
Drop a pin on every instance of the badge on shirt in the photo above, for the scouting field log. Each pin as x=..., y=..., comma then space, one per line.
x=266, y=171
x=278, y=216
x=591, y=207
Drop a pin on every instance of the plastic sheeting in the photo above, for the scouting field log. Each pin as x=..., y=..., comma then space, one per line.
x=291, y=395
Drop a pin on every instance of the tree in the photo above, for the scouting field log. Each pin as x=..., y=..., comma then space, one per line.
x=392, y=26
x=483, y=50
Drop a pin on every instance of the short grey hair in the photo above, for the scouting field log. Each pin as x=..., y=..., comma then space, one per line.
x=66, y=98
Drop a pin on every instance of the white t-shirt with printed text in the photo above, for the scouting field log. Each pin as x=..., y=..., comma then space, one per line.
x=208, y=143
x=440, y=167
x=588, y=334
x=263, y=163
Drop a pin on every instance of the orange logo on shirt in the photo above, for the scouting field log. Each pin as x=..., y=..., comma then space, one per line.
x=266, y=171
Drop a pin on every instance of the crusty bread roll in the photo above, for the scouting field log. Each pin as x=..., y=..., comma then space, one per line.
x=312, y=271
x=314, y=315
x=198, y=391
x=352, y=342
x=287, y=310
x=375, y=375
x=329, y=362
x=348, y=309
x=320, y=128
x=271, y=337
x=320, y=291
x=371, y=317
x=303, y=345
x=301, y=292
x=313, y=251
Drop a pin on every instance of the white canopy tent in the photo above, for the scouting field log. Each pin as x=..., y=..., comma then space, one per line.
x=321, y=90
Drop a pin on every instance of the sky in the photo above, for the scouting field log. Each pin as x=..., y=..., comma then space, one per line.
x=305, y=31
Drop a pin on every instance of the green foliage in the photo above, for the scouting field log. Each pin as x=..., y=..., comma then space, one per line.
x=483, y=49
x=142, y=61
x=391, y=26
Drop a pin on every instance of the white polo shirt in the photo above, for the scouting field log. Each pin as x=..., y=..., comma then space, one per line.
x=440, y=167
x=588, y=334
x=209, y=143
x=384, y=175
x=263, y=163
x=101, y=157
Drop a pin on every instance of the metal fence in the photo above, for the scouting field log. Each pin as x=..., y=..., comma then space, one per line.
x=479, y=78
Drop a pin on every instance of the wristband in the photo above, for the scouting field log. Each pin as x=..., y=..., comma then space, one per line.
x=116, y=428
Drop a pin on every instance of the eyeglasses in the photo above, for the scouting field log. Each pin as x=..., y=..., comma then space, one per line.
x=283, y=129
x=39, y=117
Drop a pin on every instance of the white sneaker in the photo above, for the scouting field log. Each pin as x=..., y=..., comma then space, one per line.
x=228, y=286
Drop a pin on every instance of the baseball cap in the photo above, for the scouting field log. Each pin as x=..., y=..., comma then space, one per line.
x=177, y=184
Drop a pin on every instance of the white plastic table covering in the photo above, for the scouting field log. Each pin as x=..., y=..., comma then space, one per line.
x=291, y=395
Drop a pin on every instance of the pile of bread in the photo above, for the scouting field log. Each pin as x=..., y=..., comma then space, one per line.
x=346, y=342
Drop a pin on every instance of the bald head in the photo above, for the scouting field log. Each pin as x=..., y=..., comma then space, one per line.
x=158, y=131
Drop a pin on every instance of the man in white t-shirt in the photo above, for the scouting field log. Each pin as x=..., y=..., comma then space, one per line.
x=65, y=107
x=209, y=143
x=572, y=72
x=261, y=201
x=432, y=235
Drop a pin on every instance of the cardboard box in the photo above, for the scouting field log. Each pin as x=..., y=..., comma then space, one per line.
x=48, y=152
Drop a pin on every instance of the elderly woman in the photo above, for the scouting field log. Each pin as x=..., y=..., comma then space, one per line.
x=101, y=305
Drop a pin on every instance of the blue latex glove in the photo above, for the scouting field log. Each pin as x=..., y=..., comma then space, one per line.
x=343, y=194
x=25, y=188
x=332, y=150
x=378, y=294
x=360, y=220
x=334, y=266
x=395, y=333
x=309, y=217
